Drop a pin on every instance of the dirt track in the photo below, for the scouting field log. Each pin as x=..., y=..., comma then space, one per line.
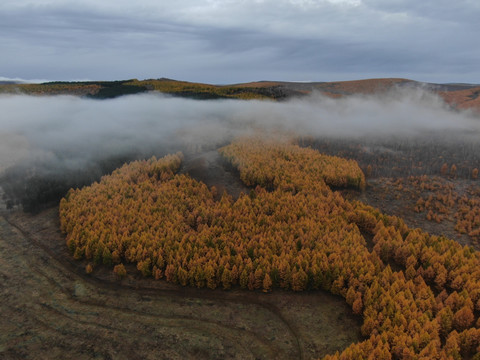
x=52, y=309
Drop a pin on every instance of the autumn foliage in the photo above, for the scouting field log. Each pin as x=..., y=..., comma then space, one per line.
x=419, y=295
x=440, y=201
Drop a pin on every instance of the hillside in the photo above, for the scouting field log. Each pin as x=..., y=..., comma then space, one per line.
x=300, y=265
x=459, y=96
x=418, y=294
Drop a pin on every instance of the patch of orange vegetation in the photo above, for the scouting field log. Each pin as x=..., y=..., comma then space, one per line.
x=256, y=84
x=463, y=99
x=332, y=95
x=368, y=86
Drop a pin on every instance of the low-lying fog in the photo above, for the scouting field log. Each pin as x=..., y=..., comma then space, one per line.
x=72, y=141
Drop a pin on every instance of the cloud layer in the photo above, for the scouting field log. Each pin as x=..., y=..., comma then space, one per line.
x=85, y=129
x=236, y=41
x=50, y=144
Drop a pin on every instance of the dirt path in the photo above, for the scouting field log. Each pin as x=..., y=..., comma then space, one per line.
x=54, y=310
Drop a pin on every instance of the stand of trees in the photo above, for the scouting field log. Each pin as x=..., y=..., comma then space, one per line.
x=440, y=200
x=419, y=295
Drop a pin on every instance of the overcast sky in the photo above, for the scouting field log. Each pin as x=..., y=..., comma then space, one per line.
x=230, y=41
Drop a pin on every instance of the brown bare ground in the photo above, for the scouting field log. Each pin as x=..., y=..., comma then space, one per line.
x=52, y=309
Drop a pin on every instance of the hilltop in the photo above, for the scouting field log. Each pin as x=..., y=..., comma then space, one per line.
x=458, y=96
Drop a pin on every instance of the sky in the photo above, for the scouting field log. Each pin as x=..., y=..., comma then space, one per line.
x=233, y=41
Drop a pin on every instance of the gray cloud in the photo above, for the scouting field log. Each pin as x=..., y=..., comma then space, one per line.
x=452, y=11
x=235, y=41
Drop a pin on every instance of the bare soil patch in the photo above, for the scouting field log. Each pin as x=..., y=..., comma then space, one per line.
x=53, y=309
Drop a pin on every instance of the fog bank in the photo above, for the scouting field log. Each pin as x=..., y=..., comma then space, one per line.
x=62, y=136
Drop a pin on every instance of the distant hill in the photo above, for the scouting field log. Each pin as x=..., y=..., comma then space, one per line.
x=459, y=96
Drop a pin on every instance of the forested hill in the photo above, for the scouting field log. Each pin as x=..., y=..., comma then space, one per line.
x=457, y=95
